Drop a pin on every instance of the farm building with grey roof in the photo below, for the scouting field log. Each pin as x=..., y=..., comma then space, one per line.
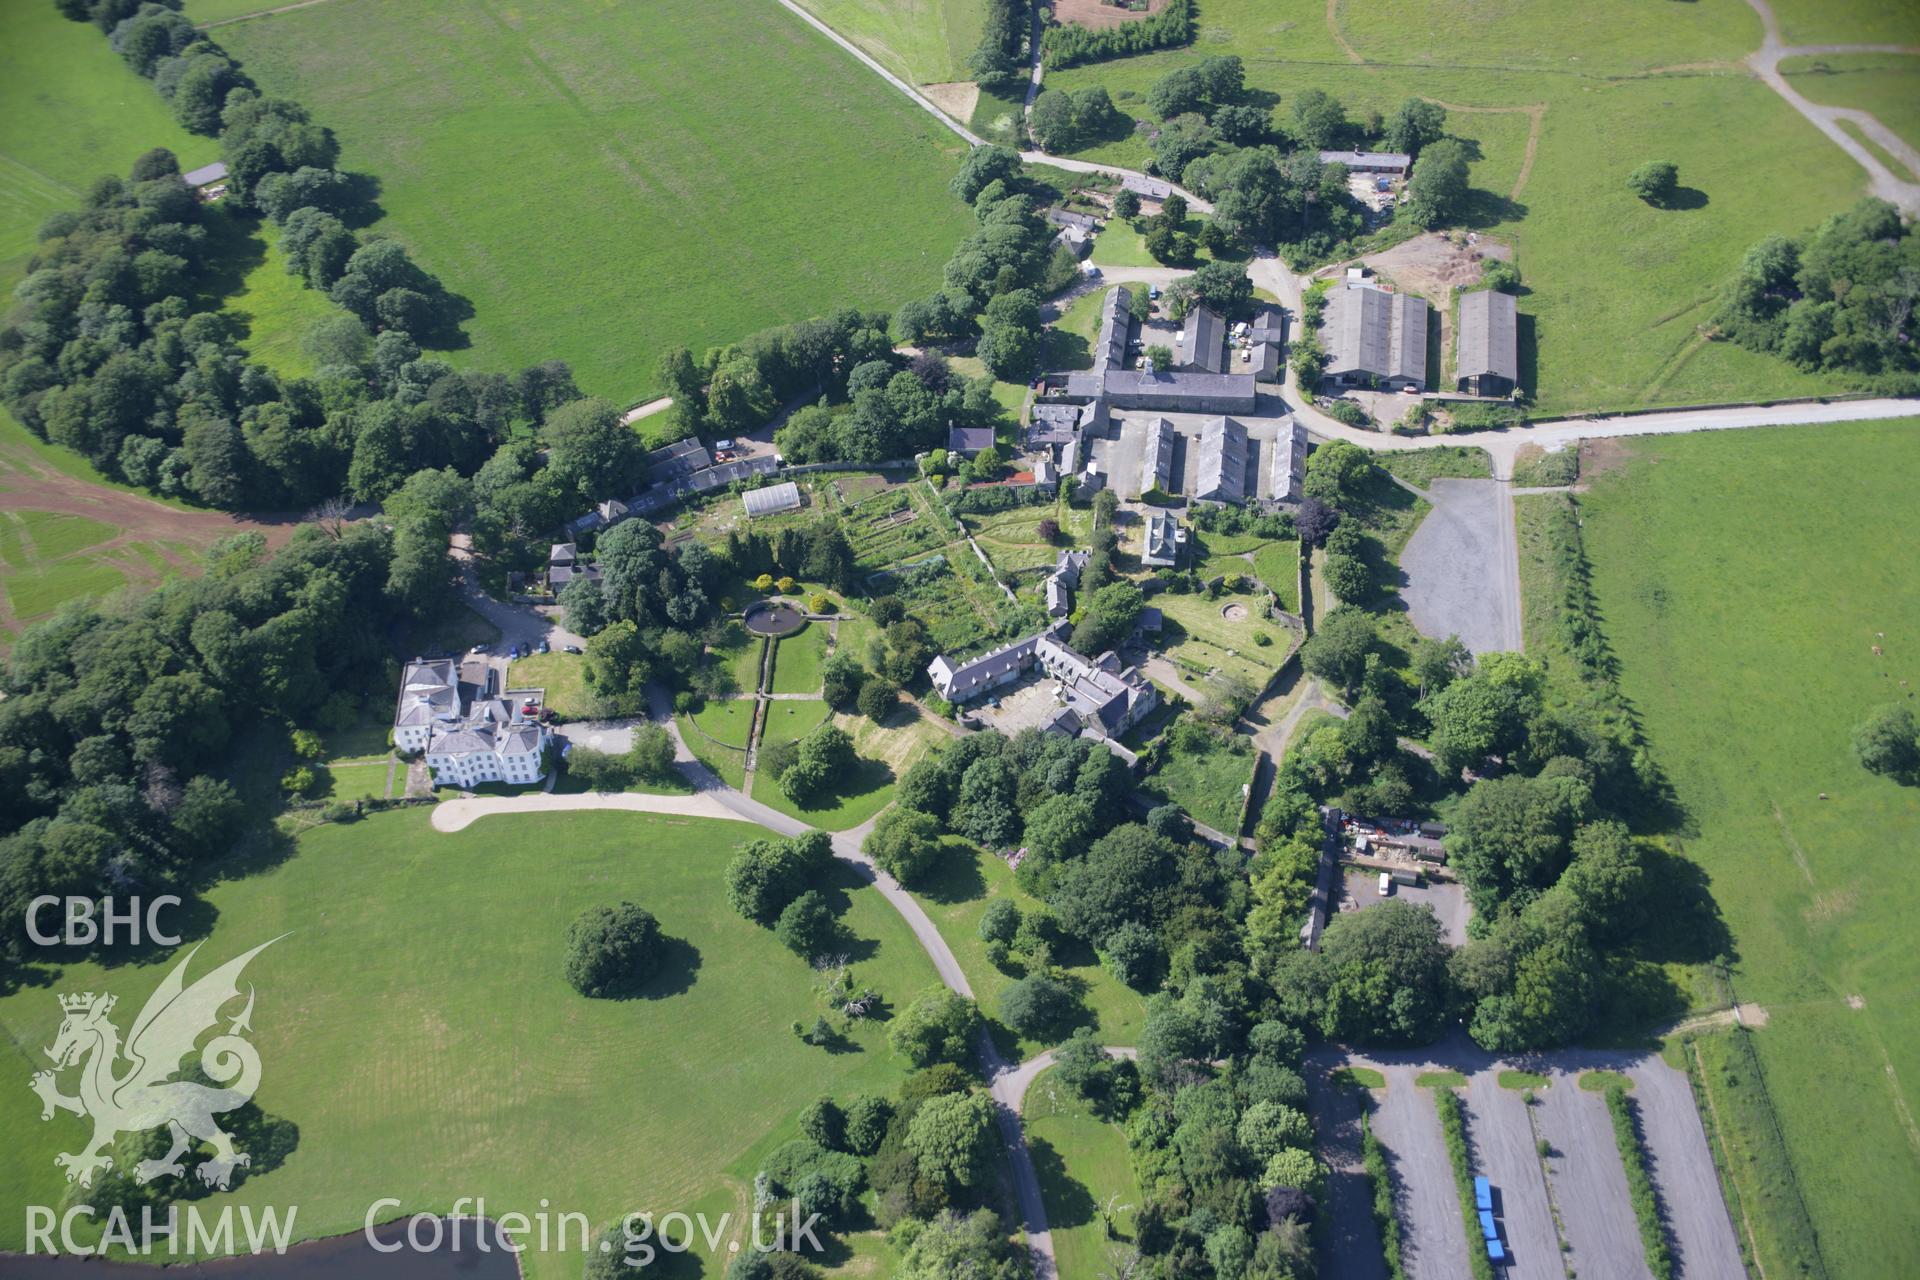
x=1488, y=363
x=1375, y=338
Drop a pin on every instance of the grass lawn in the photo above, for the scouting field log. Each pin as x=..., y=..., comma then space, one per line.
x=277, y=310
x=1440, y=1080
x=1618, y=289
x=1359, y=1078
x=359, y=781
x=1207, y=783
x=1199, y=637
x=717, y=734
x=956, y=896
x=797, y=659
x=1885, y=84
x=925, y=41
x=429, y=967
x=866, y=792
x=1518, y=1080
x=569, y=170
x=1083, y=1166
x=562, y=675
x=1601, y=1081
x=1744, y=616
x=1418, y=466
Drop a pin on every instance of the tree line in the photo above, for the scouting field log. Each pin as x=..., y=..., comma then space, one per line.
x=1068, y=44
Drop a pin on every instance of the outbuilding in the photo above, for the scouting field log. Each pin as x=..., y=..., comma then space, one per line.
x=1489, y=359
x=772, y=500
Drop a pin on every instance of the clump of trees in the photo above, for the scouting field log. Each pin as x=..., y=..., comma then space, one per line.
x=1065, y=120
x=612, y=950
x=649, y=759
x=1838, y=301
x=1070, y=44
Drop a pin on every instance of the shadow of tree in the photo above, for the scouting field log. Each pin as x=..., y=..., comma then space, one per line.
x=1069, y=1203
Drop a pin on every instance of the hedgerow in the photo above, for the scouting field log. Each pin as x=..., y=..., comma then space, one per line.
x=1646, y=1205
x=1454, y=1126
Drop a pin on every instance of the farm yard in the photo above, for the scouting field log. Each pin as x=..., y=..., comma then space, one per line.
x=1753, y=632
x=413, y=956
x=539, y=167
x=1617, y=289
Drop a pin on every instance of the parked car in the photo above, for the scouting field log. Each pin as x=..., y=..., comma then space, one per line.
x=514, y=652
x=573, y=648
x=481, y=648
x=542, y=647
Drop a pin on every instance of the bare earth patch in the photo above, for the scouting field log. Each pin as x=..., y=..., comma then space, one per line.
x=1099, y=16
x=1234, y=613
x=957, y=97
x=1432, y=265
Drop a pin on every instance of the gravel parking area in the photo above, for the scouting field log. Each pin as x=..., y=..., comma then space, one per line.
x=1501, y=1138
x=1462, y=568
x=1433, y=1242
x=1588, y=1183
x=1702, y=1235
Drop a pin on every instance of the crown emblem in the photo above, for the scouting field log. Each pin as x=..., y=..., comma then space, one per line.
x=85, y=1001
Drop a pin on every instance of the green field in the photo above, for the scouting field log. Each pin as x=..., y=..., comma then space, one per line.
x=1084, y=1168
x=956, y=895
x=925, y=41
x=1745, y=580
x=1851, y=21
x=427, y=968
x=1618, y=289
x=602, y=182
x=1885, y=84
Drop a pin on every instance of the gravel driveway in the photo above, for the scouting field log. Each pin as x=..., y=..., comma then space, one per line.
x=1462, y=567
x=1433, y=1243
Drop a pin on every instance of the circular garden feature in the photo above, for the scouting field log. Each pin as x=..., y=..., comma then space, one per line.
x=773, y=618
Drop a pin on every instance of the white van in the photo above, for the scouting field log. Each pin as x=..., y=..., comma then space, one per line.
x=1386, y=883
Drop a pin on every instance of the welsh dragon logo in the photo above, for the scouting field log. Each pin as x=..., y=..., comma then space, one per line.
x=141, y=1094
